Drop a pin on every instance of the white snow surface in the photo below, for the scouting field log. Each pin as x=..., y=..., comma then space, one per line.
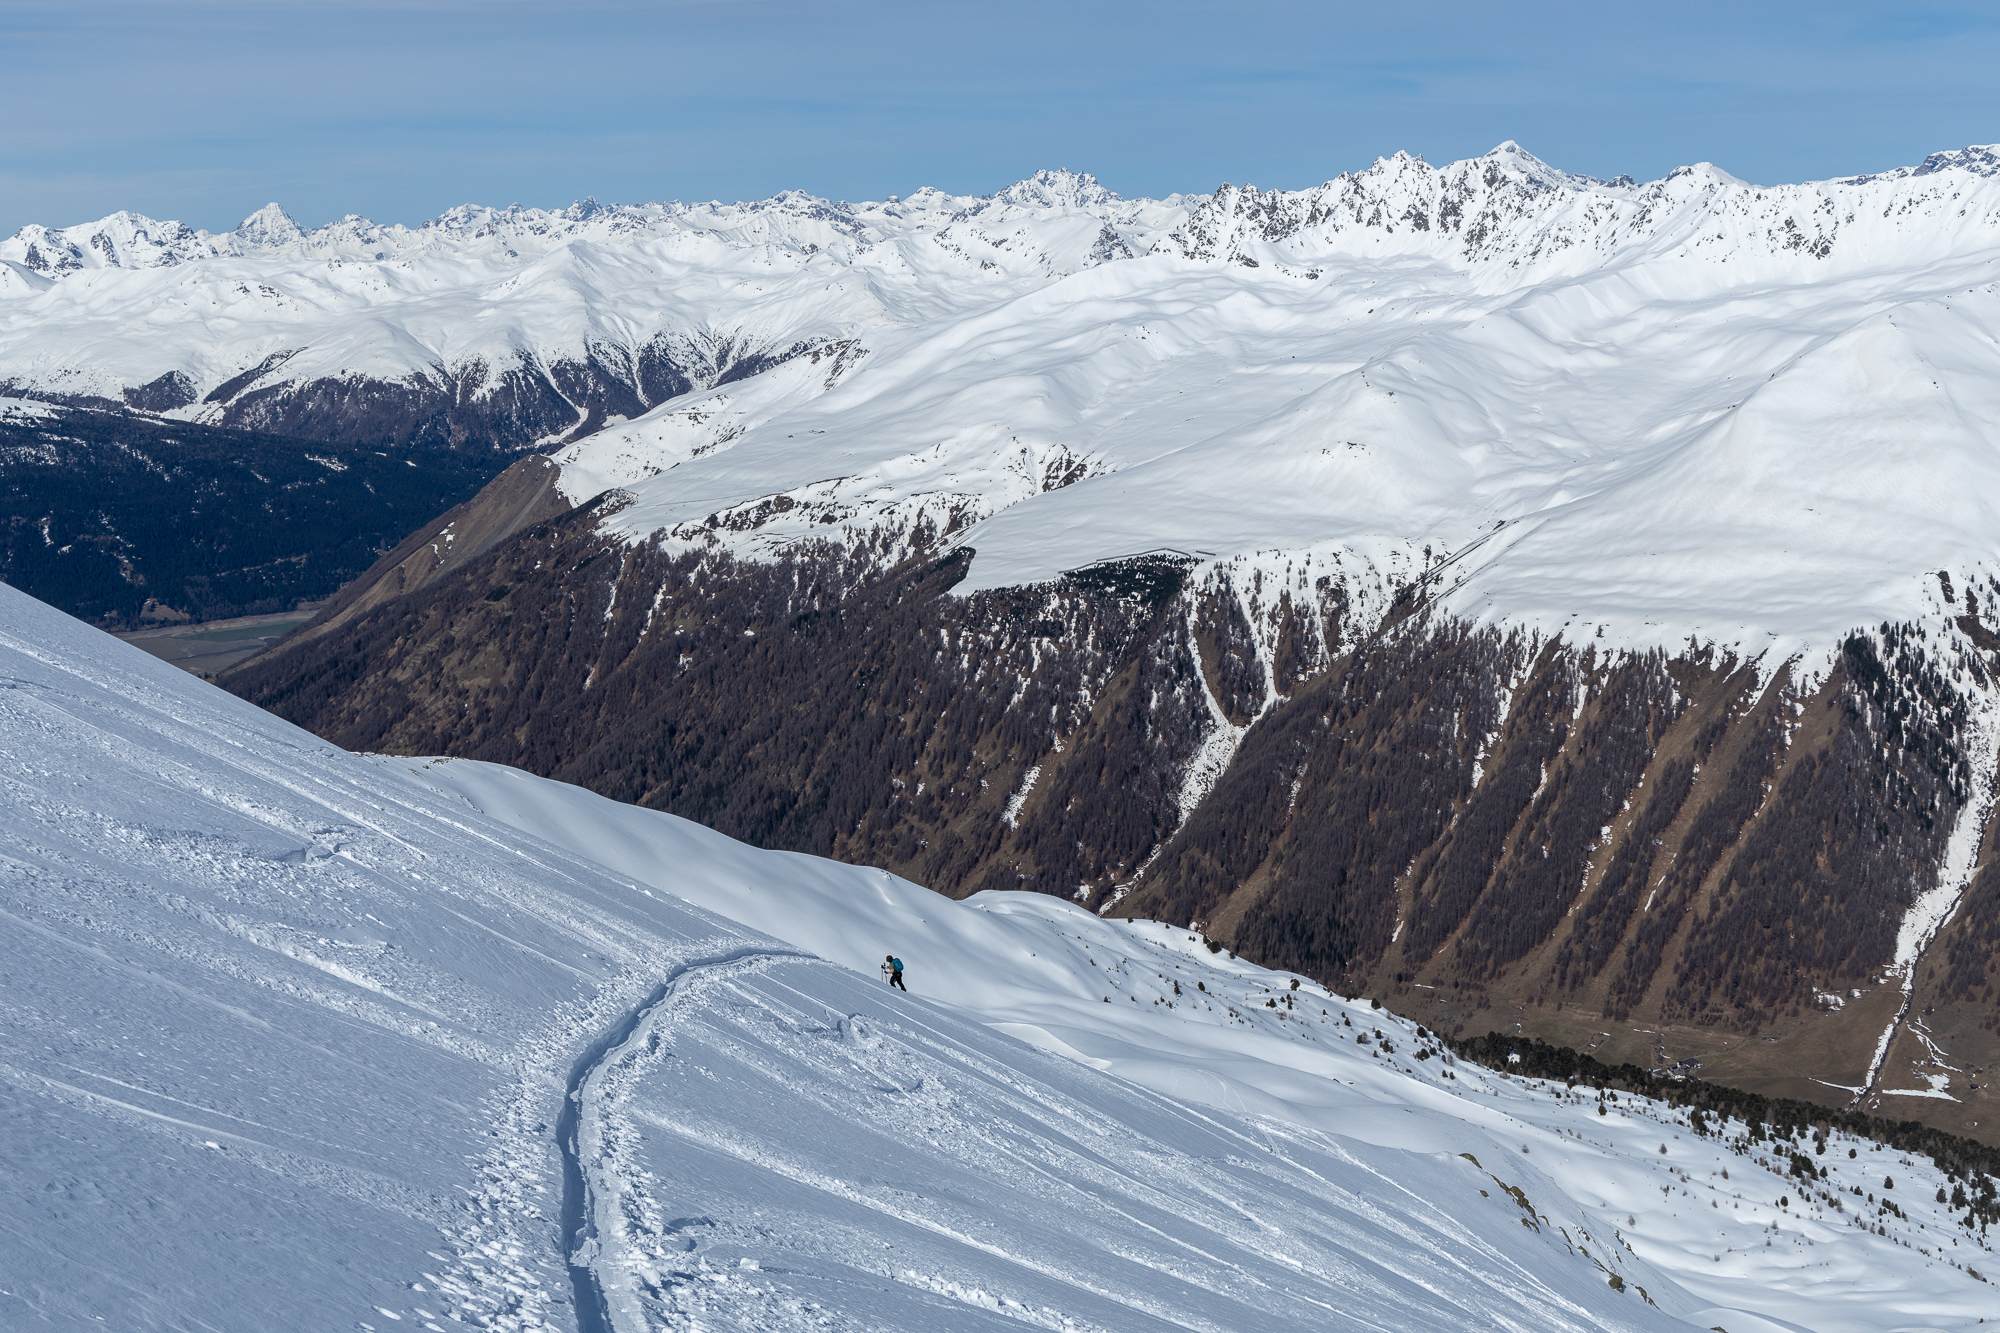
x=22, y=411
x=296, y=1039
x=1067, y=981
x=478, y=292
x=1641, y=414
x=1692, y=409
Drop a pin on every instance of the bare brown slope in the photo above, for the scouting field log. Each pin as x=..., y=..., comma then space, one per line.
x=822, y=704
x=521, y=496
x=1656, y=857
x=1652, y=858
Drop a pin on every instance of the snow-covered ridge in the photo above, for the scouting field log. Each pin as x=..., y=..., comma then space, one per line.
x=793, y=221
x=647, y=300
x=1485, y=203
x=109, y=307
x=1509, y=211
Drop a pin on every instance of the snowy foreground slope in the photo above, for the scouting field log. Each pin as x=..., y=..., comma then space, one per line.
x=301, y=1039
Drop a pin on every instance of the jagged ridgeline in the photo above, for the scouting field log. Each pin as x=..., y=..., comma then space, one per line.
x=1463, y=819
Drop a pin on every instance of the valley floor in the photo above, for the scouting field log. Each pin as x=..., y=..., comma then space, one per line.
x=210, y=647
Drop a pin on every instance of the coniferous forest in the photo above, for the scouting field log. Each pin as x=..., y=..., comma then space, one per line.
x=107, y=514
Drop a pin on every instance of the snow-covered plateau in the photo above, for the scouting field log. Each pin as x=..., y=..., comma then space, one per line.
x=296, y=1038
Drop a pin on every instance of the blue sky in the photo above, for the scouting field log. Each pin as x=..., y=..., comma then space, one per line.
x=204, y=111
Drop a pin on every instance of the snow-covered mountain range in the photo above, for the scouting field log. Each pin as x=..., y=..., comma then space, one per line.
x=1769, y=408
x=518, y=324
x=311, y=1039
x=1692, y=411
x=1422, y=579
x=1753, y=403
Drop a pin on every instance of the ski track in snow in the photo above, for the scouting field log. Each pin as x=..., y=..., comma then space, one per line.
x=590, y=1208
x=297, y=1038
x=1027, y=963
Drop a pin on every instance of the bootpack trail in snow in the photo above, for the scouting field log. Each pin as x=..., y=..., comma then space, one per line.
x=579, y=1223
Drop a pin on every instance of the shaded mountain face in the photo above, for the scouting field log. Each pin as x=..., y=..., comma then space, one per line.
x=120, y=519
x=1491, y=830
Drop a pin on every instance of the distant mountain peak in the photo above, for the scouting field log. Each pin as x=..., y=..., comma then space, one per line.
x=270, y=225
x=1515, y=161
x=1060, y=188
x=1706, y=171
x=1979, y=159
x=1509, y=154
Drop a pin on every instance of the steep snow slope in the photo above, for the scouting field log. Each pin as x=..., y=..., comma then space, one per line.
x=295, y=1039
x=1148, y=1003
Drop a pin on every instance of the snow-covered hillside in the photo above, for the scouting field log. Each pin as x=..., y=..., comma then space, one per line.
x=1150, y=1004
x=1687, y=409
x=1694, y=410
x=654, y=297
x=297, y=1038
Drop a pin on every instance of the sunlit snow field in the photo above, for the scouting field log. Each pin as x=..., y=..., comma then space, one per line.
x=1638, y=413
x=301, y=1039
